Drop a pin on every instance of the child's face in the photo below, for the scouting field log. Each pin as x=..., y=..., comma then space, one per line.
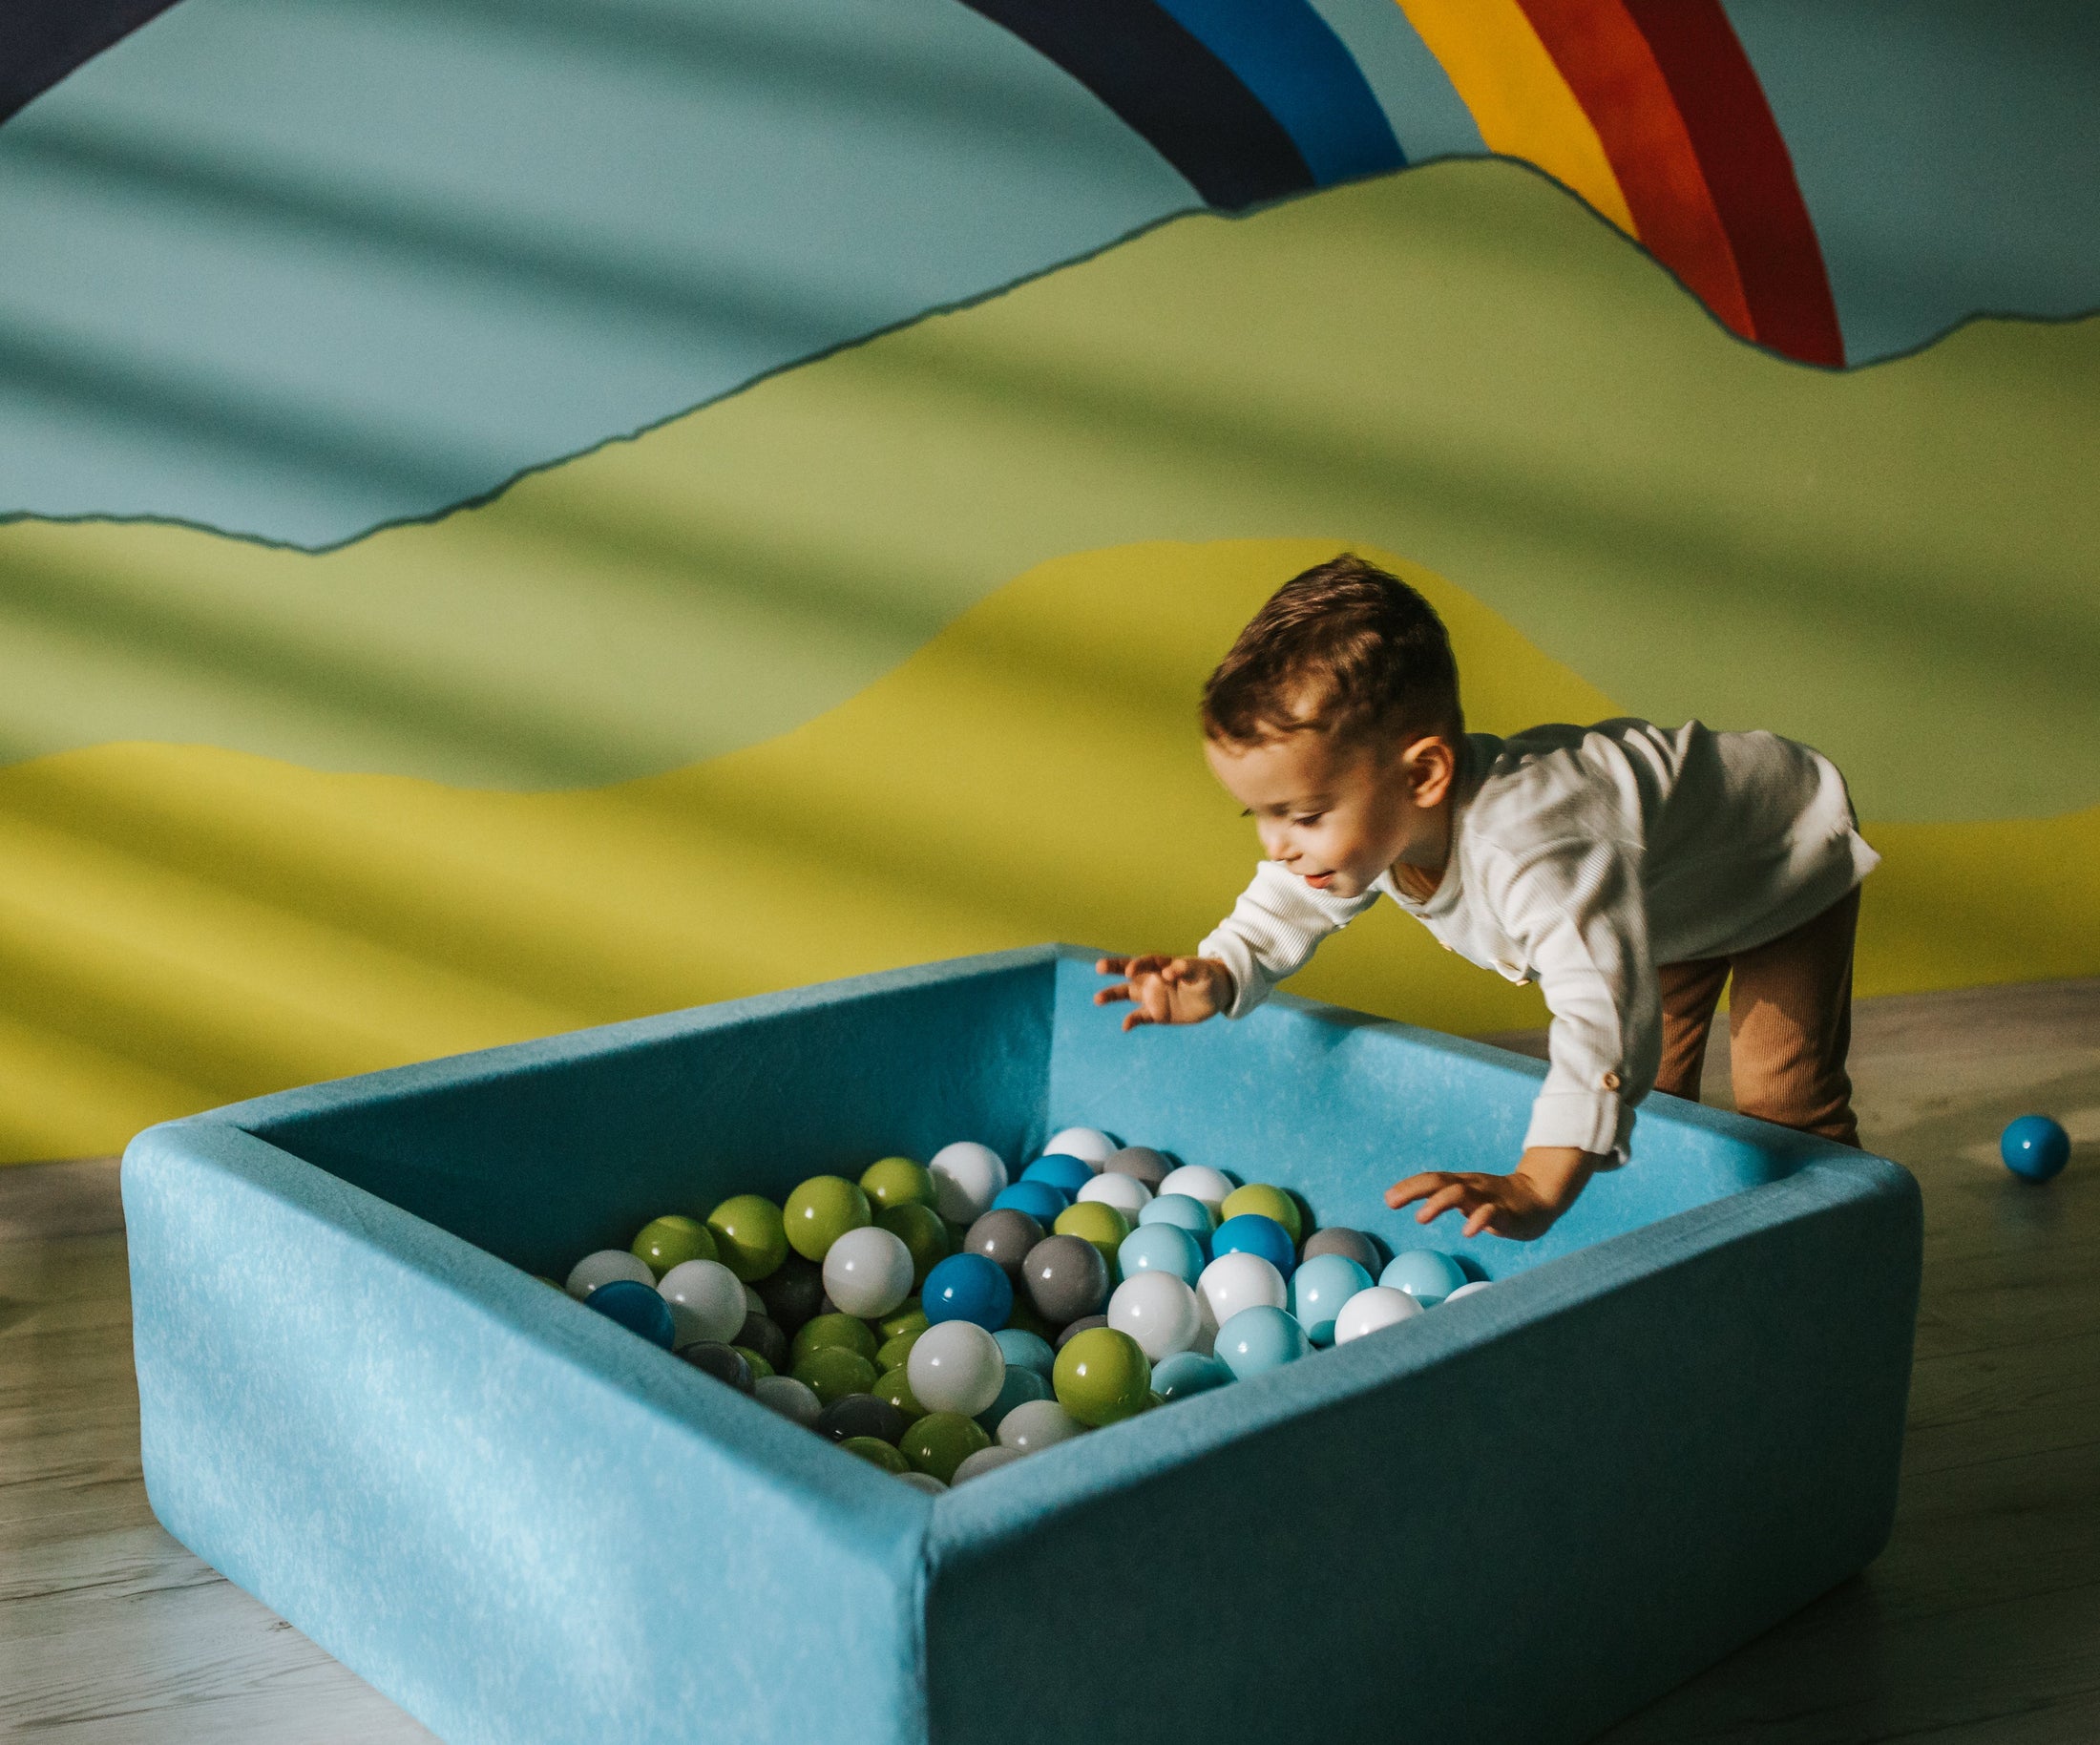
x=1338, y=814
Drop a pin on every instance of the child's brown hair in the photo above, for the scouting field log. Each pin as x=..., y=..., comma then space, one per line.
x=1344, y=648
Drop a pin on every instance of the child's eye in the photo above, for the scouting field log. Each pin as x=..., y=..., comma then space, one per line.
x=1308, y=818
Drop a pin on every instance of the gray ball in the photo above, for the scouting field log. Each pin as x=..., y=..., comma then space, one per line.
x=1004, y=1236
x=1066, y=1278
x=1350, y=1244
x=1079, y=1326
x=1150, y=1167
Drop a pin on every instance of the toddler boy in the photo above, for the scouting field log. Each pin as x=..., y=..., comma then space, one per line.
x=1629, y=870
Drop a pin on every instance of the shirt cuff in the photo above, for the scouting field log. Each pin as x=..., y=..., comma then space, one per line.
x=1249, y=986
x=1596, y=1122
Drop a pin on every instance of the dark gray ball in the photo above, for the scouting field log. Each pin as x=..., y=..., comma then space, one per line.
x=723, y=1362
x=792, y=1292
x=1078, y=1327
x=1066, y=1278
x=1004, y=1236
x=1351, y=1244
x=862, y=1415
x=762, y=1334
x=1150, y=1167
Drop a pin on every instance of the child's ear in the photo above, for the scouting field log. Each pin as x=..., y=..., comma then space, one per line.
x=1432, y=766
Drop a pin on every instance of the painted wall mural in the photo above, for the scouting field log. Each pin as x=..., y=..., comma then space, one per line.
x=519, y=516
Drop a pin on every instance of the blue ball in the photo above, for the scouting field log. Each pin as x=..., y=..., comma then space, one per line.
x=1067, y=1174
x=1040, y=1200
x=1184, y=1212
x=635, y=1307
x=1021, y=1386
x=1318, y=1289
x=1161, y=1248
x=2034, y=1147
x=1026, y=1350
x=1259, y=1339
x=1188, y=1372
x=1252, y=1234
x=1428, y=1275
x=968, y=1288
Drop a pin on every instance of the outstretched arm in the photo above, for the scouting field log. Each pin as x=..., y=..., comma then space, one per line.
x=1167, y=990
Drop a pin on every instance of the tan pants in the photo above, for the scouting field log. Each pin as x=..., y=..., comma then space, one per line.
x=1788, y=1024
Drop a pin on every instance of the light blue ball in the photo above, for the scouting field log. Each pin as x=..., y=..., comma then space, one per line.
x=1068, y=1174
x=1426, y=1274
x=2034, y=1147
x=968, y=1288
x=1318, y=1289
x=1026, y=1350
x=1186, y=1373
x=1040, y=1200
x=1184, y=1210
x=1161, y=1248
x=1021, y=1386
x=1253, y=1233
x=1259, y=1339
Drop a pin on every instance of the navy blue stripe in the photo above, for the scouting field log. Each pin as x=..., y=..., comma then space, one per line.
x=43, y=40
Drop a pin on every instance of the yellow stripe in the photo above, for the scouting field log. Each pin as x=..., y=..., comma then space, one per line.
x=1521, y=104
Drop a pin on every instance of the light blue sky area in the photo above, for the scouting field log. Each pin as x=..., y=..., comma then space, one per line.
x=295, y=269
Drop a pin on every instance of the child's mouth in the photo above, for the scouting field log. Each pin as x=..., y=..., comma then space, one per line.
x=1319, y=881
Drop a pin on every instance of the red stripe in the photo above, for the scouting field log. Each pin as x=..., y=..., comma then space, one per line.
x=1608, y=66
x=1750, y=175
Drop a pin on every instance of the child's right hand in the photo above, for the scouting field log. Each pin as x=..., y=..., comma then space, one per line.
x=1167, y=990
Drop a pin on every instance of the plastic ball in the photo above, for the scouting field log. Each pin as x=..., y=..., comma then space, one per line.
x=1101, y=1376
x=635, y=1307
x=957, y=1366
x=663, y=1242
x=1254, y=1232
x=1161, y=1248
x=1090, y=1145
x=1240, y=1281
x=762, y=1334
x=1472, y=1287
x=907, y=1316
x=1021, y=1386
x=967, y=1178
x=877, y=1453
x=1026, y=1350
x=941, y=1441
x=897, y=1181
x=723, y=1362
x=790, y=1398
x=862, y=1415
x=1003, y=1236
x=845, y=1332
x=923, y=1481
x=1124, y=1193
x=894, y=1385
x=606, y=1267
x=1150, y=1167
x=968, y=1288
x=1321, y=1288
x=821, y=1210
x=1065, y=1279
x=1351, y=1244
x=868, y=1271
x=1085, y=1324
x=1184, y=1213
x=706, y=1301
x=1038, y=1424
x=1426, y=1274
x=751, y=1236
x=894, y=1354
x=2034, y=1147
x=792, y=1292
x=1054, y=1169
x=1187, y=1374
x=1257, y=1341
x=1368, y=1311
x=754, y=1303
x=831, y=1371
x=1089, y=1220
x=1209, y=1186
x=1158, y=1310
x=924, y=1233
x=1040, y=1200
x=758, y=1364
x=984, y=1460
x=1269, y=1202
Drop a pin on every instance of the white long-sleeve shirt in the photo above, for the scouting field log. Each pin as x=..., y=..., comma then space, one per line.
x=1581, y=858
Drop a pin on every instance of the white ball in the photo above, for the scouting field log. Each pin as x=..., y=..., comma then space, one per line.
x=1035, y=1425
x=868, y=1271
x=790, y=1398
x=924, y=1480
x=984, y=1460
x=706, y=1301
x=1368, y=1311
x=1238, y=1281
x=1467, y=1289
x=1209, y=1186
x=955, y=1366
x=604, y=1268
x=1124, y=1193
x=1089, y=1145
x=1159, y=1310
x=967, y=1178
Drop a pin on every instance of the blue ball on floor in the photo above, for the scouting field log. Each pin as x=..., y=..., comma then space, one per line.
x=1066, y=1174
x=1252, y=1234
x=1040, y=1200
x=635, y=1307
x=2034, y=1147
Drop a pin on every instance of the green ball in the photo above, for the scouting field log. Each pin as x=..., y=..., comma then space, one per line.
x=758, y=1365
x=919, y=1227
x=877, y=1453
x=1099, y=1222
x=842, y=1331
x=831, y=1371
x=895, y=1386
x=941, y=1441
x=907, y=1316
x=897, y=1181
x=1259, y=1197
x=669, y=1241
x=750, y=1234
x=894, y=1354
x=822, y=1211
x=1101, y=1376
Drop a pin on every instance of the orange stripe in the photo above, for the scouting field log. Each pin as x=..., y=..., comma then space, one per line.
x=1520, y=103
x=1613, y=74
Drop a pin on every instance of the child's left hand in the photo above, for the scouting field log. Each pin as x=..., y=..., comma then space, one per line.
x=1521, y=1206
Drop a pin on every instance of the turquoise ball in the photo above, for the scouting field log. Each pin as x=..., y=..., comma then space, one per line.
x=1186, y=1210
x=1026, y=1350
x=1318, y=1289
x=1259, y=1339
x=1428, y=1275
x=1161, y=1248
x=1187, y=1374
x=1021, y=1386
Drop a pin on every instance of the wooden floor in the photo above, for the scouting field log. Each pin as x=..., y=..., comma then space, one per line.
x=1979, y=1626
